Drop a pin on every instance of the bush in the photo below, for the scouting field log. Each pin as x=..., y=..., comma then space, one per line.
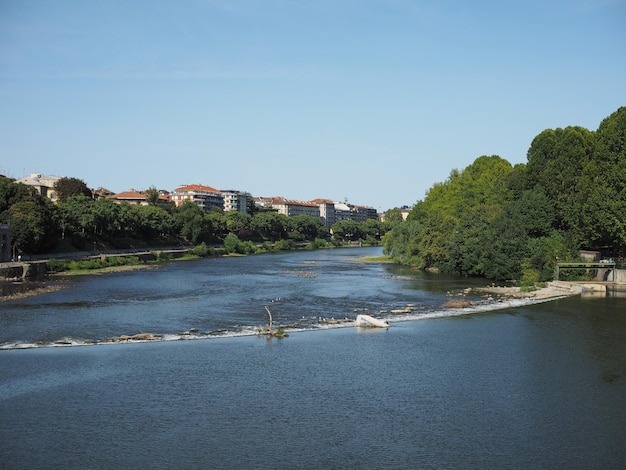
x=247, y=248
x=57, y=265
x=99, y=263
x=285, y=245
x=202, y=251
x=232, y=243
x=529, y=278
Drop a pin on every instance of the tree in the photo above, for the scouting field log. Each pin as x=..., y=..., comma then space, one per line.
x=67, y=187
x=153, y=196
x=153, y=222
x=11, y=192
x=270, y=225
x=401, y=243
x=77, y=215
x=33, y=225
x=106, y=213
x=231, y=243
x=394, y=216
x=556, y=159
x=347, y=230
x=305, y=227
x=602, y=186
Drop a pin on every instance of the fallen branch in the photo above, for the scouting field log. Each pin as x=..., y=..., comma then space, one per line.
x=279, y=333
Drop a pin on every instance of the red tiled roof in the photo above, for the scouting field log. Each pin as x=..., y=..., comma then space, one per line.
x=131, y=194
x=196, y=187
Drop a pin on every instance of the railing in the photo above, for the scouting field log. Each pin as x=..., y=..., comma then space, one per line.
x=596, y=265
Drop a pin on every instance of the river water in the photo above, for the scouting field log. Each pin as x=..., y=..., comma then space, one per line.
x=497, y=385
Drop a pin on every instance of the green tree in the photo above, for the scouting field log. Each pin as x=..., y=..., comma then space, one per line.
x=347, y=230
x=231, y=243
x=11, y=192
x=602, y=187
x=401, y=243
x=153, y=222
x=153, y=196
x=305, y=227
x=33, y=225
x=556, y=159
x=68, y=186
x=394, y=216
x=77, y=215
x=106, y=215
x=270, y=226
x=239, y=224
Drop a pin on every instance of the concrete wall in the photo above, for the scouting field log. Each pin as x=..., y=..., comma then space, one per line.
x=607, y=275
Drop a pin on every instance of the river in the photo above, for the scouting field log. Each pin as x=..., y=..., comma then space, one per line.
x=502, y=384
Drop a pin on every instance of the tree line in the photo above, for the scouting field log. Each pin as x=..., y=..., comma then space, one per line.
x=78, y=221
x=500, y=221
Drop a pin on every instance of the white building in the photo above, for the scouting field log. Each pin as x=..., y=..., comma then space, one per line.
x=236, y=200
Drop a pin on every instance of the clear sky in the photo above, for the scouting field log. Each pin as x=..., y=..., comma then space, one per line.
x=372, y=101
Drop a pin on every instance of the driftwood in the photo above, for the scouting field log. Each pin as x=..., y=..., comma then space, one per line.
x=270, y=331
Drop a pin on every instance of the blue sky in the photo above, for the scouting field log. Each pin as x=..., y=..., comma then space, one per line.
x=372, y=101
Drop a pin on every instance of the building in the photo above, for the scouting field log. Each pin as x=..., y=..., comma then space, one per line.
x=236, y=200
x=102, y=192
x=5, y=243
x=327, y=211
x=205, y=196
x=44, y=185
x=132, y=197
x=363, y=213
x=138, y=198
x=289, y=207
x=342, y=211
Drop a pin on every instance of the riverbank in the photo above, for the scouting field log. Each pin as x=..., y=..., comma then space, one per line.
x=550, y=291
x=12, y=290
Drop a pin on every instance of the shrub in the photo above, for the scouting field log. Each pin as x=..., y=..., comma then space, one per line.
x=231, y=243
x=247, y=248
x=202, y=251
x=529, y=278
x=285, y=245
x=57, y=265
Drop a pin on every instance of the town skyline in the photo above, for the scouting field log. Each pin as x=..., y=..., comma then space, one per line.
x=48, y=179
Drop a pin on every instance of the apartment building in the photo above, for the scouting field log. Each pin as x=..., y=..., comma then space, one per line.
x=236, y=200
x=205, y=196
x=43, y=184
x=289, y=207
x=327, y=211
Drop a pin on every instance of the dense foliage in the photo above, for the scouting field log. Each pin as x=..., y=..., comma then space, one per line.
x=503, y=222
x=38, y=225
